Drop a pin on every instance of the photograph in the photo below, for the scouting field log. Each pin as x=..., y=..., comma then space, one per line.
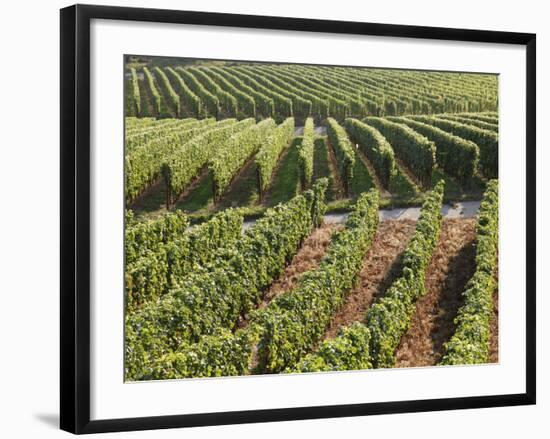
x=286, y=218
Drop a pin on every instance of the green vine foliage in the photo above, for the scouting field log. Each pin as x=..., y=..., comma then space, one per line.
x=155, y=94
x=265, y=106
x=152, y=274
x=282, y=105
x=456, y=156
x=490, y=126
x=165, y=84
x=338, y=106
x=486, y=116
x=280, y=91
x=270, y=151
x=229, y=157
x=390, y=317
x=228, y=102
x=470, y=342
x=210, y=102
x=319, y=105
x=143, y=236
x=305, y=153
x=184, y=164
x=376, y=148
x=191, y=101
x=415, y=150
x=348, y=351
x=213, y=296
x=143, y=164
x=246, y=104
x=301, y=107
x=134, y=91
x=222, y=354
x=161, y=128
x=486, y=140
x=343, y=149
x=294, y=322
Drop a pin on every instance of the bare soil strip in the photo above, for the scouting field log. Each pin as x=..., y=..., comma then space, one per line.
x=493, y=327
x=309, y=256
x=451, y=266
x=312, y=250
x=407, y=173
x=338, y=185
x=383, y=192
x=381, y=266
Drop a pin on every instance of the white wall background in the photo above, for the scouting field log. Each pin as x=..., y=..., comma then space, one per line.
x=29, y=218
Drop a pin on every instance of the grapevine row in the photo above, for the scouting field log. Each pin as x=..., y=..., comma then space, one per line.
x=268, y=155
x=390, y=317
x=291, y=324
x=228, y=158
x=458, y=157
x=160, y=268
x=373, y=344
x=211, y=102
x=305, y=153
x=487, y=141
x=470, y=342
x=185, y=163
x=191, y=100
x=143, y=164
x=216, y=294
x=343, y=149
x=153, y=90
x=294, y=322
x=412, y=148
x=376, y=148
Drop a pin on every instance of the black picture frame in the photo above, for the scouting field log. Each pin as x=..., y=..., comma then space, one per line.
x=75, y=217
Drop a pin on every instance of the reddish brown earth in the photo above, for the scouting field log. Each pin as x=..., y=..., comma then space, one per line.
x=312, y=250
x=380, y=267
x=308, y=257
x=450, y=268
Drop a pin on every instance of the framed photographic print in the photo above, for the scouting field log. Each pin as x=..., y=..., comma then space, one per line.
x=267, y=218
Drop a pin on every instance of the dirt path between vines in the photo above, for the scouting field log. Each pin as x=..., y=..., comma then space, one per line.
x=312, y=250
x=451, y=266
x=381, y=266
x=308, y=258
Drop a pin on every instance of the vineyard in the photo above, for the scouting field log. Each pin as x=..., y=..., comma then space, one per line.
x=233, y=265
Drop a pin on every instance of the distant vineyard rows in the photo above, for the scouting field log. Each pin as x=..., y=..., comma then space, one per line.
x=280, y=91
